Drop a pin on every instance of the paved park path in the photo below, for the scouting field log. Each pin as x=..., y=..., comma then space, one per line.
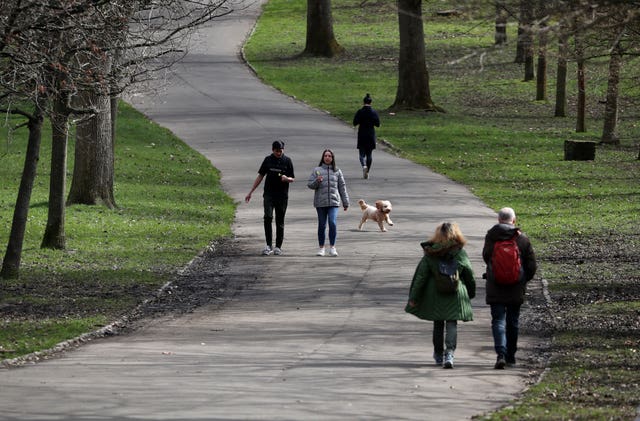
x=310, y=338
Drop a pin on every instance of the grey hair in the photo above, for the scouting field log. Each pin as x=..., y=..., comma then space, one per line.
x=507, y=216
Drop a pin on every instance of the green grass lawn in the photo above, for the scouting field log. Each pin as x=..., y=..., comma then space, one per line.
x=507, y=148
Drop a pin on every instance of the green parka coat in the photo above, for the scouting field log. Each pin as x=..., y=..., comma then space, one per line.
x=433, y=305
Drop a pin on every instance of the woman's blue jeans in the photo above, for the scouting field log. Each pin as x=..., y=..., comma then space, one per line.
x=504, y=326
x=330, y=214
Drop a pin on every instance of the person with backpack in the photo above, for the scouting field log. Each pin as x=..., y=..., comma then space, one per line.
x=511, y=263
x=442, y=288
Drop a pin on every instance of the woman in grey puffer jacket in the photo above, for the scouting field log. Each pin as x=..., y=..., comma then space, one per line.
x=330, y=191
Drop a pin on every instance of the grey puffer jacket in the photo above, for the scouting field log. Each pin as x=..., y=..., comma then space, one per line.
x=331, y=190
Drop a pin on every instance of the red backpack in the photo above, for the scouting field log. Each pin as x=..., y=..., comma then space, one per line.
x=506, y=264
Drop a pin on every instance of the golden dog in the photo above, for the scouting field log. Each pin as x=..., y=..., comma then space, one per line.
x=379, y=213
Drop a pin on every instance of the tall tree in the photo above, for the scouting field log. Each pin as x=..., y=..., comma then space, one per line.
x=54, y=234
x=502, y=15
x=526, y=37
x=561, y=75
x=541, y=78
x=93, y=172
x=581, y=105
x=609, y=134
x=13, y=254
x=413, y=77
x=320, y=38
x=521, y=40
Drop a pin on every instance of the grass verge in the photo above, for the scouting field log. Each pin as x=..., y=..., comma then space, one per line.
x=508, y=149
x=170, y=207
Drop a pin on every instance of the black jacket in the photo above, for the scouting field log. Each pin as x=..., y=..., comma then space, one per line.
x=367, y=120
x=508, y=294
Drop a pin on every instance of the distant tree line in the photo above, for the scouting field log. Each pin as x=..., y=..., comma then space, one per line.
x=582, y=30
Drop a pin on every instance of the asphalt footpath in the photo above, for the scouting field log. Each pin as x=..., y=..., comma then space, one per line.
x=308, y=338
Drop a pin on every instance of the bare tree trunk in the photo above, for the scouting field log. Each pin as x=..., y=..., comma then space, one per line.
x=54, y=235
x=609, y=134
x=93, y=174
x=541, y=80
x=320, y=38
x=413, y=77
x=582, y=99
x=520, y=54
x=524, y=26
x=561, y=76
x=113, y=105
x=526, y=16
x=13, y=254
x=501, y=23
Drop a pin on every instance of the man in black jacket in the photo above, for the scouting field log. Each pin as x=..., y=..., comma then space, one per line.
x=278, y=170
x=505, y=299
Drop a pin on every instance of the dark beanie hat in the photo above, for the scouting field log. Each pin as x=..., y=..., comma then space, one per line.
x=278, y=144
x=367, y=99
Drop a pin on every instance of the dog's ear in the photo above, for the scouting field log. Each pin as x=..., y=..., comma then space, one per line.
x=379, y=204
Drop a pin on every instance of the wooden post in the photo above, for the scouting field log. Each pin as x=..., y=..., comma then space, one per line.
x=579, y=150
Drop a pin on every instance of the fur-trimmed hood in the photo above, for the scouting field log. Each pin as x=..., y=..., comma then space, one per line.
x=450, y=248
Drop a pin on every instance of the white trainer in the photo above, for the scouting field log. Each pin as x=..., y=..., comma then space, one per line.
x=333, y=252
x=320, y=252
x=267, y=251
x=277, y=251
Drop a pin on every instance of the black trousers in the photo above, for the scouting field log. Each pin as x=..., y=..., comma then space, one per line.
x=279, y=206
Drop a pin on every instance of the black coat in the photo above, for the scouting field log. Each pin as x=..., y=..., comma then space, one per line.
x=508, y=294
x=367, y=120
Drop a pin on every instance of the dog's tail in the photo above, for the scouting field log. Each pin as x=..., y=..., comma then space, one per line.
x=363, y=204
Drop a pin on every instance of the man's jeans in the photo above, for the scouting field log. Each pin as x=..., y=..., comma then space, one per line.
x=280, y=207
x=504, y=325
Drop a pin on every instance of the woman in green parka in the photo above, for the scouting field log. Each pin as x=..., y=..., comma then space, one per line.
x=443, y=308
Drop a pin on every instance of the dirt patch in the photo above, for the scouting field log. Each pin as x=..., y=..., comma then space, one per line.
x=594, y=283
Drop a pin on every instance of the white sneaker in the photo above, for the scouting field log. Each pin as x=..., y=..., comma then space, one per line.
x=320, y=252
x=365, y=172
x=277, y=251
x=333, y=252
x=267, y=251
